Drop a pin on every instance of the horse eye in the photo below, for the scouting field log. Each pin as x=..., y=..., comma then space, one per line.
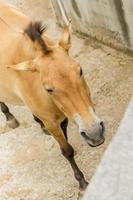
x=81, y=72
x=49, y=90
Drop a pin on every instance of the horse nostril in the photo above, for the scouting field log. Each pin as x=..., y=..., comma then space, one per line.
x=101, y=123
x=83, y=133
x=102, y=126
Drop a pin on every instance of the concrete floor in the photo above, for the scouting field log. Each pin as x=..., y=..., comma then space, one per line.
x=32, y=167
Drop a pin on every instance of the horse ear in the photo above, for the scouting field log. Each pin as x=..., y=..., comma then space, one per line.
x=23, y=66
x=65, y=40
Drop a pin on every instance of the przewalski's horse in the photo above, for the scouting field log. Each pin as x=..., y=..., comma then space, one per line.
x=39, y=73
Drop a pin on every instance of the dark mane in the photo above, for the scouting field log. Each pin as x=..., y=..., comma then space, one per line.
x=34, y=30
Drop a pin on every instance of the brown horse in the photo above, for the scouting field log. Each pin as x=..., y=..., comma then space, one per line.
x=39, y=73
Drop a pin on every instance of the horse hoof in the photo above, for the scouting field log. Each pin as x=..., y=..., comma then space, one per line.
x=46, y=131
x=83, y=185
x=13, y=123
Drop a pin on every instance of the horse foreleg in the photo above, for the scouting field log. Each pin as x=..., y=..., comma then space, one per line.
x=63, y=126
x=41, y=124
x=68, y=152
x=11, y=121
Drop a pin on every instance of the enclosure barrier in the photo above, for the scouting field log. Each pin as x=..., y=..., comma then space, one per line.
x=113, y=179
x=108, y=21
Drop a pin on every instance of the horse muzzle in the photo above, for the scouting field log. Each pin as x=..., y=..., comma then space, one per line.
x=95, y=136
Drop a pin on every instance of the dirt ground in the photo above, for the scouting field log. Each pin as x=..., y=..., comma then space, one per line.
x=32, y=167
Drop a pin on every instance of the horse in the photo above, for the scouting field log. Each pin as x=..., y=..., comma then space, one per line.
x=38, y=72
